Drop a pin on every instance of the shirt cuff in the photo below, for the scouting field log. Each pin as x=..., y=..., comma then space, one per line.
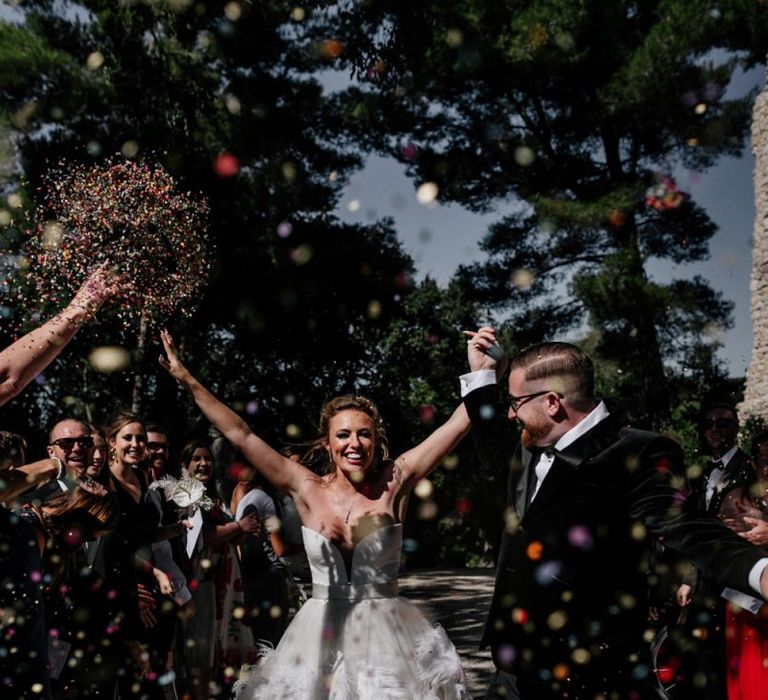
x=474, y=380
x=755, y=572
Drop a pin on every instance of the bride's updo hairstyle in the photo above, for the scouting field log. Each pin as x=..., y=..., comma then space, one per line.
x=316, y=456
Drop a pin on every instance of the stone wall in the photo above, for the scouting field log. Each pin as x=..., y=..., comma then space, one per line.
x=756, y=393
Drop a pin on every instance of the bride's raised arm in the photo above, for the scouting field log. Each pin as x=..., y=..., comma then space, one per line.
x=484, y=352
x=280, y=471
x=420, y=461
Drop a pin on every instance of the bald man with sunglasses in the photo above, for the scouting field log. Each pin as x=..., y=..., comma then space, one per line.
x=70, y=442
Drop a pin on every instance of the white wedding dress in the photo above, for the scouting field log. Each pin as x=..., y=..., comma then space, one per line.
x=355, y=639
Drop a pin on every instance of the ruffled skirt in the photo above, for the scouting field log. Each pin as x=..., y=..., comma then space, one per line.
x=377, y=649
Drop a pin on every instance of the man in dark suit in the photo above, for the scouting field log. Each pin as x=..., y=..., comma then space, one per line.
x=586, y=497
x=724, y=482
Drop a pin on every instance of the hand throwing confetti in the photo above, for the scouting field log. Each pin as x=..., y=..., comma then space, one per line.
x=130, y=216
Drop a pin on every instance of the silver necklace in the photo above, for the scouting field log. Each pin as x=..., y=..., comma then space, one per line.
x=349, y=510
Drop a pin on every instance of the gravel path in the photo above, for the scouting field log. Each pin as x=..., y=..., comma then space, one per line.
x=459, y=600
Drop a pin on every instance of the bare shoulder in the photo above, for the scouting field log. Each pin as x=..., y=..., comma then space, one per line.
x=313, y=486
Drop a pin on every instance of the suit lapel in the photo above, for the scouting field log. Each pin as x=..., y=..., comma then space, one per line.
x=521, y=490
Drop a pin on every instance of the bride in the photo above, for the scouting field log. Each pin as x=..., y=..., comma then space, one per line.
x=354, y=638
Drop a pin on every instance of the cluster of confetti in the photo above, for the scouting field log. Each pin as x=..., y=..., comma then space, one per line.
x=665, y=195
x=130, y=216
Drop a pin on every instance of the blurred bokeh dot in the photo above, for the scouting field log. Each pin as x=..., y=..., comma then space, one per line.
x=95, y=60
x=427, y=193
x=423, y=488
x=233, y=104
x=451, y=461
x=233, y=11
x=454, y=38
x=557, y=620
x=427, y=510
x=524, y=156
x=522, y=278
x=109, y=358
x=129, y=149
x=302, y=255
x=410, y=545
x=374, y=309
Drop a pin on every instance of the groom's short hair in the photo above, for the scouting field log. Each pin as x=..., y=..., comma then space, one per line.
x=546, y=360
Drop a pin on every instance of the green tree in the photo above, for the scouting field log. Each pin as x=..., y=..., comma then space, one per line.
x=294, y=297
x=574, y=110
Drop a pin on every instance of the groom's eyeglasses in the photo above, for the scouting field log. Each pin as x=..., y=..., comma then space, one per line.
x=68, y=443
x=516, y=401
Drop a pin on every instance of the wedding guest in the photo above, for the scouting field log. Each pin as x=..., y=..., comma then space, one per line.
x=746, y=631
x=96, y=469
x=124, y=556
x=13, y=450
x=23, y=667
x=61, y=525
x=214, y=639
x=720, y=490
x=70, y=442
x=265, y=576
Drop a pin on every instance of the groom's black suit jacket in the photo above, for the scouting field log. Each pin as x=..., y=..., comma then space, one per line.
x=570, y=594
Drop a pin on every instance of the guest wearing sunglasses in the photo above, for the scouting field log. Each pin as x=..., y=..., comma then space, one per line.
x=70, y=443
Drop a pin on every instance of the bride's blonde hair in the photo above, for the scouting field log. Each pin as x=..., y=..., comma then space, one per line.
x=317, y=454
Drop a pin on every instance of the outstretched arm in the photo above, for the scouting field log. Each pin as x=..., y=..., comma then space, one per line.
x=484, y=352
x=420, y=461
x=22, y=361
x=280, y=471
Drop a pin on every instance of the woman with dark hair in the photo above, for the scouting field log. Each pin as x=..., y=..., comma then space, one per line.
x=214, y=638
x=97, y=468
x=355, y=638
x=13, y=450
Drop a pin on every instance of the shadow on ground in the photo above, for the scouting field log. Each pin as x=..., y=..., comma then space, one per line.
x=458, y=599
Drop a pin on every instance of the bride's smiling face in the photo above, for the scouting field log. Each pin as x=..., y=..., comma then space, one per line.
x=351, y=441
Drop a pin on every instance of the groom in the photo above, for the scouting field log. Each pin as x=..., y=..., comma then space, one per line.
x=586, y=497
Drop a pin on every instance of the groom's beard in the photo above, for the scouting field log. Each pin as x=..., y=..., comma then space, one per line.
x=534, y=430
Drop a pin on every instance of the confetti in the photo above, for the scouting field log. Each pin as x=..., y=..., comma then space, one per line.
x=131, y=216
x=665, y=195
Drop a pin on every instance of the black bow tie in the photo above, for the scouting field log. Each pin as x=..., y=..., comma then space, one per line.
x=714, y=464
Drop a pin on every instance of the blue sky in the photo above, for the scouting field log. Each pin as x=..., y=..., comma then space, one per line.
x=442, y=236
